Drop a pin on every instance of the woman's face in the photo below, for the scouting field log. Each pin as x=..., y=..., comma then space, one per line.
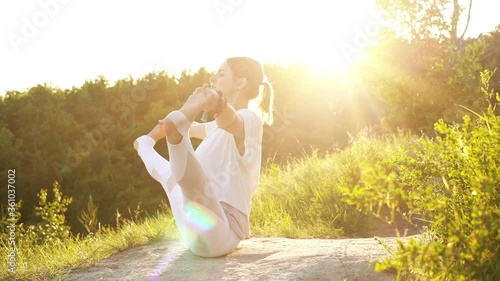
x=224, y=81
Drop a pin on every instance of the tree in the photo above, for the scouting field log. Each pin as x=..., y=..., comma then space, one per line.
x=422, y=19
x=491, y=57
x=423, y=67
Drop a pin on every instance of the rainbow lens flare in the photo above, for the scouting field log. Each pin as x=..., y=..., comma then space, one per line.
x=166, y=260
x=200, y=217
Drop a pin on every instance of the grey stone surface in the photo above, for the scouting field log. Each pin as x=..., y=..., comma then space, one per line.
x=254, y=259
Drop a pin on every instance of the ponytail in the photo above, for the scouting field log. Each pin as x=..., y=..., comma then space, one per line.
x=262, y=101
x=266, y=103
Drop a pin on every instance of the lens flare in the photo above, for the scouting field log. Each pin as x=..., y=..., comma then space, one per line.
x=200, y=217
x=166, y=260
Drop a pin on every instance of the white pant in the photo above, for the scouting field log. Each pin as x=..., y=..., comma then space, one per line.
x=200, y=219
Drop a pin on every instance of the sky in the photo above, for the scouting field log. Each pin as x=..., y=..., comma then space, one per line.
x=65, y=42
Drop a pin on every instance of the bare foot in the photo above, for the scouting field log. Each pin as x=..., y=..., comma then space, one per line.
x=157, y=133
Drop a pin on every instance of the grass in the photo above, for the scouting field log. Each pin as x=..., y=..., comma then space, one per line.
x=55, y=259
x=303, y=198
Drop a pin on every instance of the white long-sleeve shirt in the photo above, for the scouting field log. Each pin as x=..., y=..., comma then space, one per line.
x=233, y=177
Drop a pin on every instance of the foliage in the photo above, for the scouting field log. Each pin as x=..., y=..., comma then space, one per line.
x=421, y=19
x=53, y=226
x=424, y=66
x=423, y=81
x=453, y=183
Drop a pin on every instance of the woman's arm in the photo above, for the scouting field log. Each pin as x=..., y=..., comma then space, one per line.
x=230, y=121
x=197, y=130
x=225, y=115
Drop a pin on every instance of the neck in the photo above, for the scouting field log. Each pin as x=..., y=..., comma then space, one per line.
x=238, y=102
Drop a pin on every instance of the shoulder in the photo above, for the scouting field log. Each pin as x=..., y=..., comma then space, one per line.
x=252, y=125
x=250, y=116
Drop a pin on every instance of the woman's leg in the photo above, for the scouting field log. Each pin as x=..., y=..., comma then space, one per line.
x=186, y=169
x=199, y=218
x=206, y=210
x=157, y=166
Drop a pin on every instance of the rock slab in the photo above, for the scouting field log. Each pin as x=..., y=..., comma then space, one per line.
x=254, y=259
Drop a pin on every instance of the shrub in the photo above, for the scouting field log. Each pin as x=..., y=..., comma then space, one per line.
x=53, y=226
x=453, y=183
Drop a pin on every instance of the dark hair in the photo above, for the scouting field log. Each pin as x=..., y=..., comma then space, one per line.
x=254, y=73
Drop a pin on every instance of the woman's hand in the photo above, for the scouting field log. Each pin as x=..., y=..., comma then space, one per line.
x=215, y=103
x=195, y=103
x=203, y=98
x=212, y=100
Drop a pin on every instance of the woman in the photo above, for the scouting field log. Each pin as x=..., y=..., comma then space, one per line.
x=210, y=190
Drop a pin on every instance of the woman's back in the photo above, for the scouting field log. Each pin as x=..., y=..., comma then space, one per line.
x=233, y=177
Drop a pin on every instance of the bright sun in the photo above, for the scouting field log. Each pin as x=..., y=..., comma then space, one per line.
x=332, y=34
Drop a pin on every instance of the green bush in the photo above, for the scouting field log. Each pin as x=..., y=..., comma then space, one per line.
x=53, y=225
x=453, y=183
